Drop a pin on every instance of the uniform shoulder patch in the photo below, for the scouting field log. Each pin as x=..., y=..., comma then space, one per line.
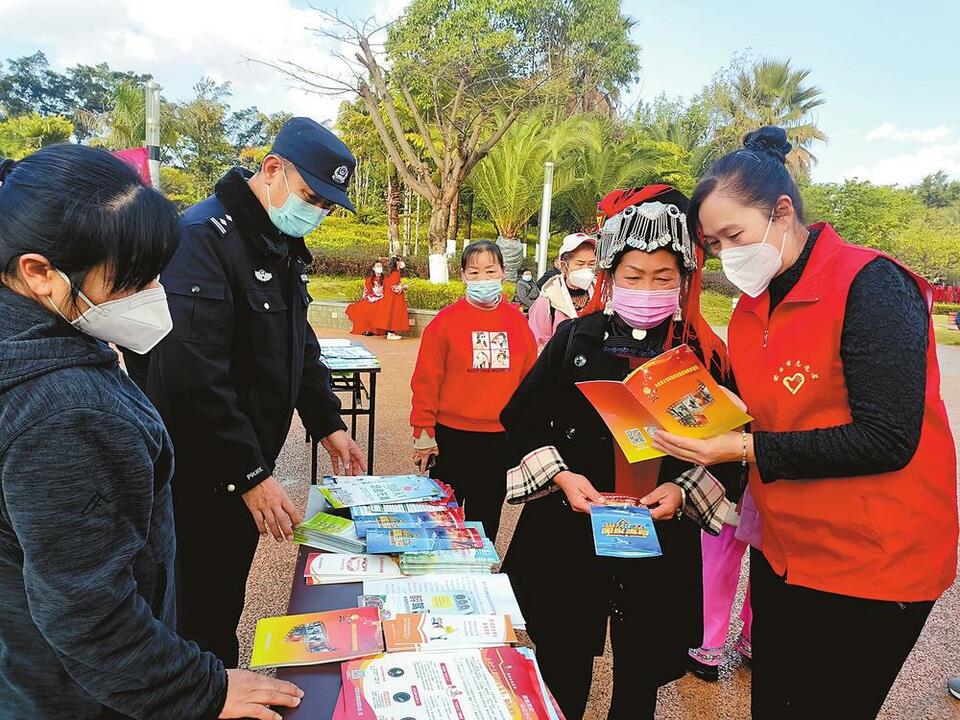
x=221, y=224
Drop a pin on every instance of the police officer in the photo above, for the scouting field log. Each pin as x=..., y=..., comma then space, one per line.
x=241, y=357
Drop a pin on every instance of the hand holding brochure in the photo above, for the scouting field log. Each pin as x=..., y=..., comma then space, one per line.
x=672, y=392
x=624, y=531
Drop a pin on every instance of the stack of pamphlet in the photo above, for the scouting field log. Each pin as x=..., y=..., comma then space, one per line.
x=343, y=491
x=474, y=560
x=334, y=568
x=344, y=355
x=432, y=632
x=329, y=532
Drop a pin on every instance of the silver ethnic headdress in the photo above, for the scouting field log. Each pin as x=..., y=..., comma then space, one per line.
x=650, y=226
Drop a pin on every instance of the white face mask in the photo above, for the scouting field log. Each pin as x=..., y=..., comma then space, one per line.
x=138, y=322
x=528, y=277
x=378, y=269
x=582, y=278
x=752, y=267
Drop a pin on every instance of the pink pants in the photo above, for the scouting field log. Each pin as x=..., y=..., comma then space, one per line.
x=721, y=574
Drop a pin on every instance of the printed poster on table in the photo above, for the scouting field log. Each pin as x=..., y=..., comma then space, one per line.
x=314, y=638
x=488, y=684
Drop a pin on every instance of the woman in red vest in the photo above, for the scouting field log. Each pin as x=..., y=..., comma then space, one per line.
x=852, y=462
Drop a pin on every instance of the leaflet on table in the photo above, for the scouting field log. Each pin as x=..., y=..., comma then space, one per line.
x=624, y=531
x=332, y=568
x=417, y=507
x=485, y=557
x=673, y=392
x=461, y=594
x=435, y=518
x=314, y=638
x=436, y=631
x=553, y=708
x=329, y=532
x=488, y=684
x=423, y=540
x=347, y=491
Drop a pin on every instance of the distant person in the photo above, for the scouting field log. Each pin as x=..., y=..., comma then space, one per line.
x=364, y=311
x=395, y=317
x=526, y=291
x=572, y=292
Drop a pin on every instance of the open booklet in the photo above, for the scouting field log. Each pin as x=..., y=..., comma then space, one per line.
x=672, y=392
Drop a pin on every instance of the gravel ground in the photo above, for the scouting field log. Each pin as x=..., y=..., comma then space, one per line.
x=919, y=693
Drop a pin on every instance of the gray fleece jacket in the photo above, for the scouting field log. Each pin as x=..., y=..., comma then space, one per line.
x=87, y=612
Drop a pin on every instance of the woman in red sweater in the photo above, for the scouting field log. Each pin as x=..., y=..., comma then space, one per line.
x=365, y=311
x=473, y=355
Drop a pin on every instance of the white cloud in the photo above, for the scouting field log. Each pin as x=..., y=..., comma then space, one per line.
x=889, y=131
x=180, y=41
x=911, y=167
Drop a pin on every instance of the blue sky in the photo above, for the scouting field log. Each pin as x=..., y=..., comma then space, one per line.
x=890, y=72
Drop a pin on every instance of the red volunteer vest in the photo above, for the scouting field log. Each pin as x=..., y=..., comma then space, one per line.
x=891, y=536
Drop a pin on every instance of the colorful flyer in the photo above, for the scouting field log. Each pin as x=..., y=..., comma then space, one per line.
x=347, y=491
x=314, y=638
x=424, y=540
x=333, y=568
x=436, y=518
x=624, y=531
x=437, y=631
x=672, y=392
x=488, y=684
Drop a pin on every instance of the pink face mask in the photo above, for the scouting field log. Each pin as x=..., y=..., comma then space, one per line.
x=644, y=309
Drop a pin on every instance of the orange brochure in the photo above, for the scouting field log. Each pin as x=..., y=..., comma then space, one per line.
x=672, y=392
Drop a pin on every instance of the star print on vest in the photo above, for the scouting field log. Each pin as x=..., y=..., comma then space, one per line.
x=794, y=375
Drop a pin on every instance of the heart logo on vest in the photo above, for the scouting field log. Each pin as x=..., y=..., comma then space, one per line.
x=794, y=382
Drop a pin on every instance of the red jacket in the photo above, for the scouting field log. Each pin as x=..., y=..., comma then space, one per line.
x=470, y=363
x=891, y=536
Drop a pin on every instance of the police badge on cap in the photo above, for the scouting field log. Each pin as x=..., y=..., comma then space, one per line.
x=321, y=158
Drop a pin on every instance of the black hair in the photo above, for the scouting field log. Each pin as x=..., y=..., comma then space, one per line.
x=480, y=247
x=81, y=207
x=756, y=175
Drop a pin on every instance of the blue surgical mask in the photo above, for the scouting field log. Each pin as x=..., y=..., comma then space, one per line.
x=484, y=292
x=296, y=217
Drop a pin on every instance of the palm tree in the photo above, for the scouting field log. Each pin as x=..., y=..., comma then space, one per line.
x=771, y=92
x=509, y=181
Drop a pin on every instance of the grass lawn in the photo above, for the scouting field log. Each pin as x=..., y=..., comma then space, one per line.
x=329, y=287
x=946, y=334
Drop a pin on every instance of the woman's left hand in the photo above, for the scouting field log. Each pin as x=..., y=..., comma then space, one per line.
x=669, y=497
x=711, y=451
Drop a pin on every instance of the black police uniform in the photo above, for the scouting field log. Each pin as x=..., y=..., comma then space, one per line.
x=241, y=357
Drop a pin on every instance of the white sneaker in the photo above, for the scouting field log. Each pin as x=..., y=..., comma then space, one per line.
x=394, y=336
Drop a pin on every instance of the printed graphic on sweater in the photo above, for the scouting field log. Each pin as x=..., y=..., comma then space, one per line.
x=491, y=350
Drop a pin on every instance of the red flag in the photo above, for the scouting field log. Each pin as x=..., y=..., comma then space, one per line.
x=139, y=159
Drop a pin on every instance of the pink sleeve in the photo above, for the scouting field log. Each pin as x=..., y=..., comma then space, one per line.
x=540, y=324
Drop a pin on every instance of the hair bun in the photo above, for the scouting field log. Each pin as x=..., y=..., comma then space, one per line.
x=6, y=167
x=769, y=139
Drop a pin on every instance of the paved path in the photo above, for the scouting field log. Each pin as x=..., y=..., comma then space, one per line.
x=919, y=693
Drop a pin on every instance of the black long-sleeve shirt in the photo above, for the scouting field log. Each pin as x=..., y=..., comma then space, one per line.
x=883, y=346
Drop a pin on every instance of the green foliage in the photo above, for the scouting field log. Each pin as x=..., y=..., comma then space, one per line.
x=24, y=134
x=509, y=181
x=716, y=308
x=771, y=92
x=942, y=308
x=938, y=191
x=181, y=187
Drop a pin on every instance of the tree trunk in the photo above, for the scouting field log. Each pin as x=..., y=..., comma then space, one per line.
x=454, y=221
x=437, y=240
x=393, y=213
x=470, y=216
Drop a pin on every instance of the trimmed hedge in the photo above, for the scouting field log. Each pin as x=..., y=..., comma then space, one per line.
x=421, y=294
x=942, y=308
